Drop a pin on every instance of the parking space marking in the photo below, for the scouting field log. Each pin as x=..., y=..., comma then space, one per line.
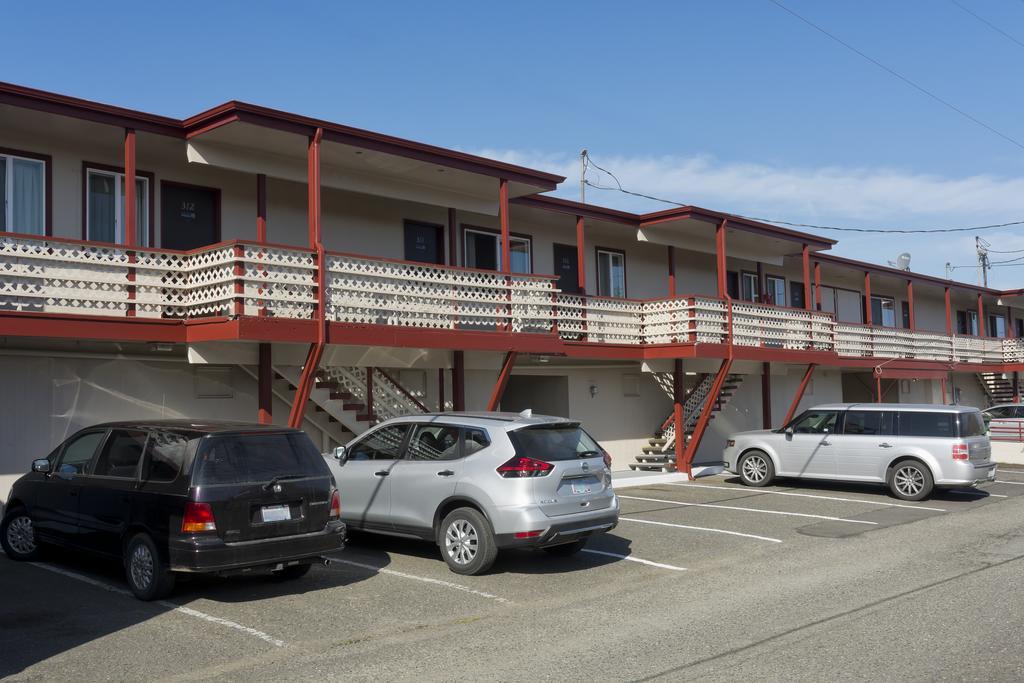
x=634, y=559
x=424, y=579
x=761, y=510
x=808, y=495
x=1003, y=481
x=163, y=603
x=699, y=528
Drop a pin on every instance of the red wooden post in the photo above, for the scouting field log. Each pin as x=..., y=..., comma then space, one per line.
x=982, y=332
x=878, y=388
x=867, y=297
x=671, y=272
x=799, y=393
x=581, y=279
x=131, y=237
x=942, y=383
x=506, y=260
x=440, y=390
x=499, y=386
x=817, y=286
x=949, y=314
x=369, y=393
x=452, y=238
x=261, y=207
x=313, y=186
x=723, y=288
x=805, y=254
x=677, y=410
x=766, y=396
x=458, y=380
x=265, y=382
x=705, y=417
x=910, y=304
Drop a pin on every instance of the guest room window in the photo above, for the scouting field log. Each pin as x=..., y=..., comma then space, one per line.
x=23, y=191
x=105, y=211
x=611, y=273
x=482, y=249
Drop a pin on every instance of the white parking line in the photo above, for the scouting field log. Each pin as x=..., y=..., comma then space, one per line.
x=809, y=495
x=634, y=559
x=762, y=511
x=1003, y=481
x=163, y=603
x=699, y=528
x=424, y=579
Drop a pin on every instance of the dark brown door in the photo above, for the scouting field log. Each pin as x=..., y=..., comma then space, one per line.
x=424, y=242
x=567, y=268
x=189, y=215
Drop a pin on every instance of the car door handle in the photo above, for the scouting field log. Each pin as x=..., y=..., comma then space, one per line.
x=826, y=443
x=445, y=473
x=885, y=445
x=381, y=473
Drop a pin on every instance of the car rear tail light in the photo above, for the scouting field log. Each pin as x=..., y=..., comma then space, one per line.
x=525, y=467
x=960, y=451
x=198, y=517
x=335, y=504
x=607, y=459
x=528, y=534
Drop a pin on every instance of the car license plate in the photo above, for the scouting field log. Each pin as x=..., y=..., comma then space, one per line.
x=581, y=487
x=276, y=513
x=992, y=474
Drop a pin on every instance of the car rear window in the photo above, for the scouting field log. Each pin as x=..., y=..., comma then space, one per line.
x=971, y=424
x=553, y=442
x=919, y=423
x=252, y=458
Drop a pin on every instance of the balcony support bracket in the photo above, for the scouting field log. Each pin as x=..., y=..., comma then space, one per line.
x=686, y=463
x=499, y=386
x=799, y=393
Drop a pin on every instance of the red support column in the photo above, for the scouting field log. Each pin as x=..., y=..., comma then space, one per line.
x=705, y=417
x=677, y=410
x=766, y=396
x=369, y=394
x=452, y=238
x=671, y=272
x=867, y=297
x=761, y=289
x=506, y=257
x=440, y=390
x=817, y=286
x=261, y=207
x=805, y=256
x=499, y=386
x=313, y=186
x=799, y=393
x=265, y=384
x=131, y=237
x=910, y=304
x=723, y=288
x=581, y=269
x=982, y=329
x=458, y=380
x=942, y=383
x=1010, y=334
x=949, y=315
x=878, y=388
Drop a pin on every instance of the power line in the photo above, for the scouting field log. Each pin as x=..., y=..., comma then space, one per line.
x=988, y=23
x=899, y=75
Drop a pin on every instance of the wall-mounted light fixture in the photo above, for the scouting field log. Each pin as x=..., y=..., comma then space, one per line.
x=593, y=391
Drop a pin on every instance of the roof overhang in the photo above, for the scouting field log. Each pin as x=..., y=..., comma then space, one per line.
x=876, y=269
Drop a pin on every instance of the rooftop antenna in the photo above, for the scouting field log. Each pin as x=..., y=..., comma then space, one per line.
x=583, y=176
x=902, y=261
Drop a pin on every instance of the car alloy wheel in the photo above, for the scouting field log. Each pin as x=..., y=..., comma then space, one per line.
x=755, y=469
x=21, y=537
x=141, y=567
x=909, y=480
x=461, y=541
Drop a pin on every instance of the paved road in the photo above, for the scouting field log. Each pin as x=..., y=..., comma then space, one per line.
x=722, y=582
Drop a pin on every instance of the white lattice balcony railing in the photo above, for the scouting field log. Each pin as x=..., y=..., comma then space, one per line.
x=599, y=320
x=781, y=328
x=978, y=350
x=389, y=292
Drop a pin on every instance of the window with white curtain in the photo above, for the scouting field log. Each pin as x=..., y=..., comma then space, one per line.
x=23, y=189
x=105, y=213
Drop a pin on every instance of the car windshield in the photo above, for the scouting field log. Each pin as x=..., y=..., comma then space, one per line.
x=251, y=458
x=554, y=442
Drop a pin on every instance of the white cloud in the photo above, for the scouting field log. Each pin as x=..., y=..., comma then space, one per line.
x=832, y=195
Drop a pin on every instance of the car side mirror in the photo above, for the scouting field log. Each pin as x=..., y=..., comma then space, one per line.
x=340, y=455
x=41, y=465
x=789, y=431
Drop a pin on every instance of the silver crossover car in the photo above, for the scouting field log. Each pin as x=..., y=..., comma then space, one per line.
x=475, y=483
x=911, y=448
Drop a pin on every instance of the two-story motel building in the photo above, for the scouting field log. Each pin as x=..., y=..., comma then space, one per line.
x=268, y=266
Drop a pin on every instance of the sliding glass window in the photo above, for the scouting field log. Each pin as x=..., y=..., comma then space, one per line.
x=23, y=191
x=106, y=212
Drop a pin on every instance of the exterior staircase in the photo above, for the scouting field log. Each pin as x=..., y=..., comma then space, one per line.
x=997, y=389
x=338, y=404
x=659, y=454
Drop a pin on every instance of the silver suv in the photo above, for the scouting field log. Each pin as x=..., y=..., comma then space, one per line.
x=475, y=483
x=911, y=448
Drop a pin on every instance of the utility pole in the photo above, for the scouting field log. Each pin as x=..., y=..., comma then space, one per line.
x=583, y=176
x=981, y=246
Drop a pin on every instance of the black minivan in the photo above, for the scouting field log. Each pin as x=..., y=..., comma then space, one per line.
x=178, y=496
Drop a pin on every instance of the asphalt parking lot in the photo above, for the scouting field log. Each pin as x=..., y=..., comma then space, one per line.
x=706, y=579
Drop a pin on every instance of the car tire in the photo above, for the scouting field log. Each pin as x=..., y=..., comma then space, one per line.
x=467, y=542
x=910, y=480
x=756, y=469
x=18, y=536
x=566, y=549
x=148, y=575
x=292, y=572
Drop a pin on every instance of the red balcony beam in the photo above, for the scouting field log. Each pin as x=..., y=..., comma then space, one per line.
x=581, y=279
x=949, y=314
x=910, y=304
x=502, y=382
x=817, y=285
x=313, y=187
x=678, y=398
x=506, y=258
x=265, y=386
x=766, y=396
x=720, y=259
x=452, y=237
x=702, y=422
x=982, y=330
x=867, y=297
x=458, y=380
x=261, y=207
x=130, y=218
x=805, y=256
x=799, y=393
x=671, y=272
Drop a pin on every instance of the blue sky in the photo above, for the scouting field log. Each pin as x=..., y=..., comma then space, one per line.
x=735, y=105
